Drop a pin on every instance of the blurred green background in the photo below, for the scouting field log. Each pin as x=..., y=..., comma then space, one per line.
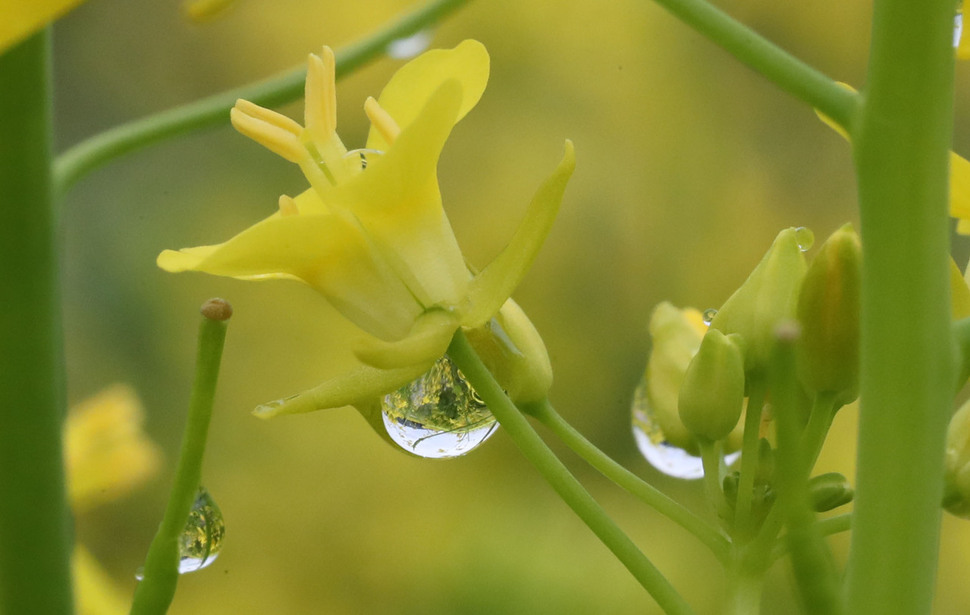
x=688, y=165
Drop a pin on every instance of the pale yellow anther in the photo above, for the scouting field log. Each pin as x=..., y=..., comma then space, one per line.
x=288, y=206
x=273, y=137
x=269, y=116
x=321, y=96
x=381, y=120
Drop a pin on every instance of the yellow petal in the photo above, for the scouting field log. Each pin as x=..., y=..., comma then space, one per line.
x=414, y=83
x=21, y=18
x=107, y=451
x=95, y=593
x=325, y=251
x=359, y=388
x=426, y=343
x=490, y=288
x=397, y=202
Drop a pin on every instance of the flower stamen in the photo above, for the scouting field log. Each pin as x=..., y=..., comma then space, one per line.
x=288, y=206
x=381, y=120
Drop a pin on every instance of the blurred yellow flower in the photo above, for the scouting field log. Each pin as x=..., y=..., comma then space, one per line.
x=371, y=234
x=21, y=18
x=107, y=454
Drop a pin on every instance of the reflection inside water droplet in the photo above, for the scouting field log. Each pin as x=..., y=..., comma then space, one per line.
x=360, y=158
x=438, y=415
x=805, y=238
x=709, y=315
x=653, y=445
x=408, y=47
x=201, y=539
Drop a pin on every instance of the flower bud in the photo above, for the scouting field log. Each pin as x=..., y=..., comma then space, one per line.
x=829, y=491
x=956, y=464
x=676, y=335
x=828, y=311
x=767, y=297
x=712, y=394
x=514, y=353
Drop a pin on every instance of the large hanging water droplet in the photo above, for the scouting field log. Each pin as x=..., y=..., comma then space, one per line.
x=438, y=415
x=409, y=46
x=709, y=315
x=653, y=445
x=805, y=238
x=201, y=540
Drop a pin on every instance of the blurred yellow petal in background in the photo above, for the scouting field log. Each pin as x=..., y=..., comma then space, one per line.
x=21, y=18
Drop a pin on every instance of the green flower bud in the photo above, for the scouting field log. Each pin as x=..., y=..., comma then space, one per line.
x=513, y=351
x=767, y=297
x=676, y=336
x=956, y=468
x=712, y=394
x=828, y=310
x=829, y=491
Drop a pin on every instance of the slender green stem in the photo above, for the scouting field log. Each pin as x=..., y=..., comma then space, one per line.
x=819, y=423
x=961, y=336
x=814, y=569
x=155, y=592
x=645, y=492
x=749, y=461
x=901, y=142
x=559, y=477
x=35, y=534
x=786, y=71
x=712, y=459
x=214, y=110
x=826, y=527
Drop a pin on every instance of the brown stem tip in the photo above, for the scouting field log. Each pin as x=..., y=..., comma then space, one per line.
x=216, y=309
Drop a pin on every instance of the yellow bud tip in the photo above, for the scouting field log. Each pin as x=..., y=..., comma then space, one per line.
x=201, y=11
x=381, y=120
x=288, y=206
x=216, y=309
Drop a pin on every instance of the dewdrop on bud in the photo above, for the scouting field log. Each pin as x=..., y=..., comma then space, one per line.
x=712, y=394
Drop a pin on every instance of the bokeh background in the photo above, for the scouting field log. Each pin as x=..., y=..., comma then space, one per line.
x=688, y=165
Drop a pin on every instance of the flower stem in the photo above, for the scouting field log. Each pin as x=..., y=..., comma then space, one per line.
x=901, y=141
x=743, y=522
x=155, y=592
x=559, y=477
x=645, y=492
x=213, y=110
x=785, y=70
x=35, y=522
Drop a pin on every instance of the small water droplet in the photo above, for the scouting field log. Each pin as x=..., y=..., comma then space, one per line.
x=653, y=445
x=805, y=238
x=957, y=28
x=409, y=46
x=709, y=315
x=438, y=415
x=360, y=158
x=201, y=540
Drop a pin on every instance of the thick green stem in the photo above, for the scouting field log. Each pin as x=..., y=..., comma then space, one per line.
x=155, y=592
x=559, y=477
x=214, y=110
x=786, y=71
x=902, y=137
x=35, y=532
x=647, y=493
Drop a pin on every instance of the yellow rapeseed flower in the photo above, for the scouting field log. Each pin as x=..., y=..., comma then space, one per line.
x=371, y=234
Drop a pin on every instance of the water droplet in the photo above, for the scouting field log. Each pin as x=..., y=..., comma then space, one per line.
x=362, y=157
x=653, y=445
x=201, y=540
x=709, y=315
x=805, y=238
x=438, y=415
x=410, y=46
x=957, y=28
